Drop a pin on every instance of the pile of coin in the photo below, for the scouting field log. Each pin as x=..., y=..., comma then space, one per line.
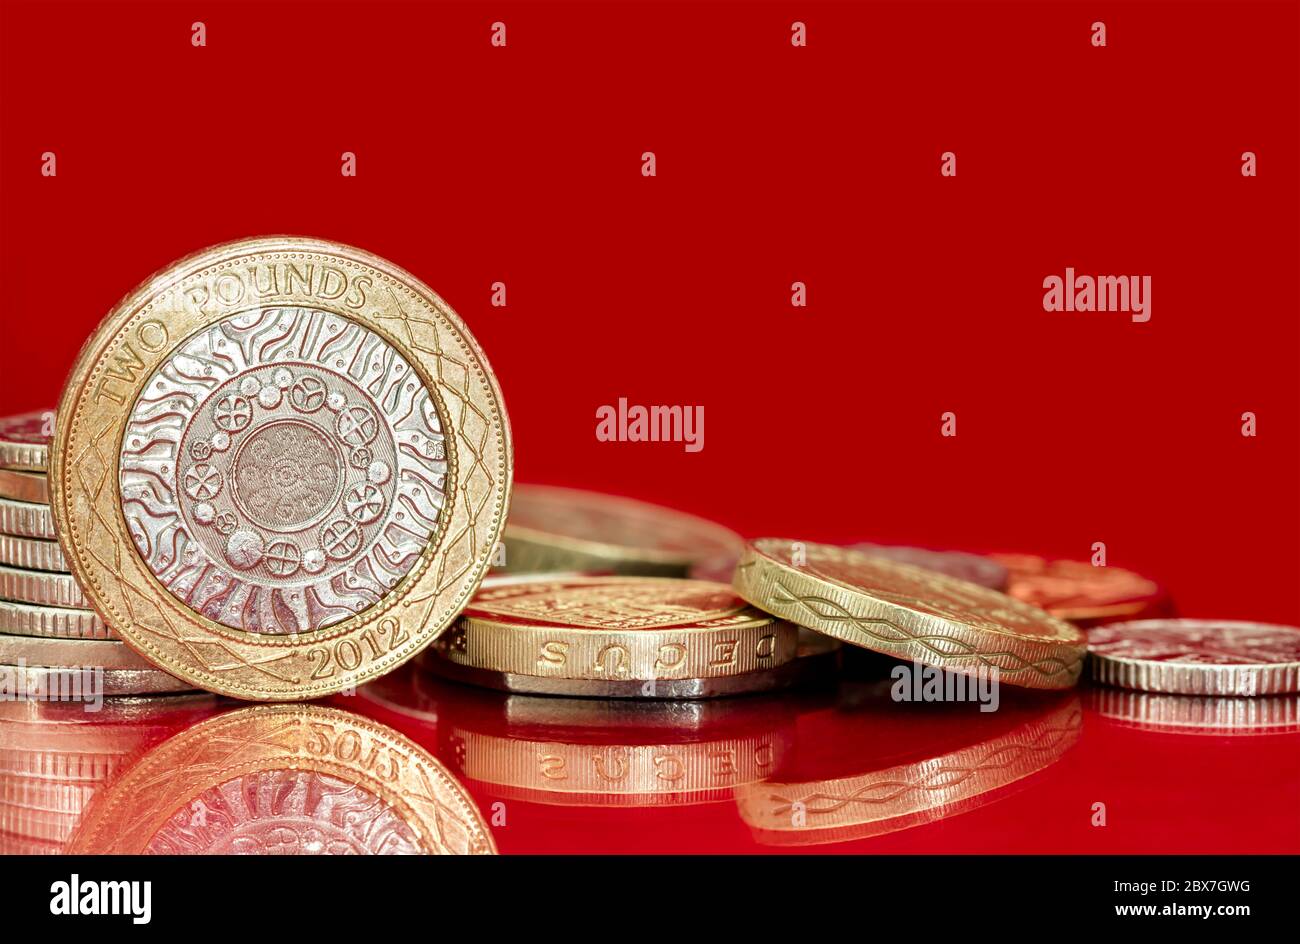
x=282, y=467
x=50, y=637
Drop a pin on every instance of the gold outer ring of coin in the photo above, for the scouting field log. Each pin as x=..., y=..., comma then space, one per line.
x=727, y=639
x=24, y=444
x=910, y=613
x=32, y=554
x=36, y=679
x=815, y=658
x=55, y=622
x=41, y=587
x=26, y=520
x=152, y=322
x=265, y=738
x=44, y=651
x=543, y=536
x=24, y=486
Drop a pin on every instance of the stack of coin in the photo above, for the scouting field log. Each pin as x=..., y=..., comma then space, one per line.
x=622, y=637
x=47, y=627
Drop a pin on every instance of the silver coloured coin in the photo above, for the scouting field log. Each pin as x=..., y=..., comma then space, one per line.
x=283, y=470
x=44, y=588
x=95, y=653
x=1197, y=657
x=26, y=519
x=32, y=554
x=36, y=678
x=59, y=622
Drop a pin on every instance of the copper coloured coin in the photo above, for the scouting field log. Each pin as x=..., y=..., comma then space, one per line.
x=1080, y=592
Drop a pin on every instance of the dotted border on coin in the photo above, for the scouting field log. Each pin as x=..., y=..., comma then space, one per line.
x=474, y=358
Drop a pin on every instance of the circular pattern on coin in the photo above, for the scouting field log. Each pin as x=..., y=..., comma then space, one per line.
x=269, y=508
x=1197, y=657
x=909, y=613
x=25, y=440
x=306, y=464
x=617, y=629
x=285, y=779
x=568, y=529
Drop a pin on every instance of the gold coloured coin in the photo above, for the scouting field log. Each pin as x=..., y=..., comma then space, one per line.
x=26, y=519
x=618, y=628
x=910, y=613
x=285, y=779
x=40, y=650
x=59, y=622
x=567, y=529
x=45, y=588
x=32, y=554
x=24, y=486
x=24, y=440
x=280, y=468
x=816, y=658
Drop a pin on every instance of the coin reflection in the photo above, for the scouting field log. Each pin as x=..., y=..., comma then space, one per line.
x=284, y=779
x=927, y=765
x=56, y=757
x=1197, y=714
x=579, y=752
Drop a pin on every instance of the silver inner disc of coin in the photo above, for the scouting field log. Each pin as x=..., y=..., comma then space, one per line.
x=282, y=470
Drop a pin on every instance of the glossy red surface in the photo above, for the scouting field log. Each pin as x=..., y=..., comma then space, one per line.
x=1163, y=791
x=775, y=164
x=586, y=776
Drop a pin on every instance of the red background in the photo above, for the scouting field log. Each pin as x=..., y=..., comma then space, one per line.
x=775, y=164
